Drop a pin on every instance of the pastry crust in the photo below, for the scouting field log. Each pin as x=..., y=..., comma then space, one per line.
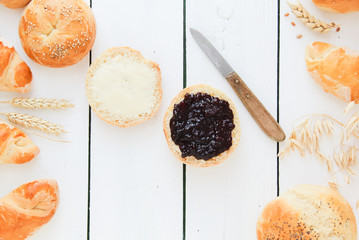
x=14, y=3
x=125, y=56
x=15, y=74
x=335, y=69
x=190, y=160
x=15, y=146
x=57, y=33
x=341, y=6
x=307, y=212
x=27, y=208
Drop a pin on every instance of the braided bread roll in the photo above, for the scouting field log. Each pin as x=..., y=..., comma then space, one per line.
x=27, y=208
x=14, y=3
x=15, y=74
x=15, y=146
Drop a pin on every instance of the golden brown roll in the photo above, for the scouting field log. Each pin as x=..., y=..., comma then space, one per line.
x=15, y=146
x=57, y=33
x=123, y=88
x=15, y=74
x=207, y=144
x=14, y=3
x=338, y=6
x=27, y=208
x=307, y=212
x=335, y=69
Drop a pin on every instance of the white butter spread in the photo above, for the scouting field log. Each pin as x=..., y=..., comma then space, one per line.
x=125, y=87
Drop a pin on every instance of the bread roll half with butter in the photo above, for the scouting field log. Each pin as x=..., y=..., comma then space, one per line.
x=336, y=69
x=123, y=88
x=308, y=212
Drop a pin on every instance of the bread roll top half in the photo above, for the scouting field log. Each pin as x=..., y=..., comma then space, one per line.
x=338, y=6
x=57, y=33
x=308, y=212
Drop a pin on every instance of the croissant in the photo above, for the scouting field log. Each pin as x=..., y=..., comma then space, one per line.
x=27, y=208
x=335, y=69
x=15, y=74
x=14, y=3
x=338, y=6
x=15, y=145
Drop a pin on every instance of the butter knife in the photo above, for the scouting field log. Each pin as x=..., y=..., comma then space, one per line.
x=260, y=114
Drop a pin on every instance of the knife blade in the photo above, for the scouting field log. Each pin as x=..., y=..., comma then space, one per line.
x=259, y=113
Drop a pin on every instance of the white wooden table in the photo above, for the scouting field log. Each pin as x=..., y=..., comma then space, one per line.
x=125, y=183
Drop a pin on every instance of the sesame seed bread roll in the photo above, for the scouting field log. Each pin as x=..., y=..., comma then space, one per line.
x=14, y=3
x=175, y=149
x=308, y=212
x=123, y=88
x=15, y=74
x=334, y=68
x=338, y=6
x=57, y=33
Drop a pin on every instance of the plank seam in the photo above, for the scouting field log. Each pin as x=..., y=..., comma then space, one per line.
x=89, y=160
x=278, y=70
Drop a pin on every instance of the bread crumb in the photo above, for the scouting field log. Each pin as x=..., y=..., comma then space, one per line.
x=338, y=29
x=286, y=14
x=299, y=36
x=293, y=24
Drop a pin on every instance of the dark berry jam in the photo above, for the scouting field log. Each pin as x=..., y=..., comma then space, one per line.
x=202, y=126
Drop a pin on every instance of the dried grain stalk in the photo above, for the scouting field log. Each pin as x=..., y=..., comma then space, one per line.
x=39, y=103
x=308, y=19
x=33, y=122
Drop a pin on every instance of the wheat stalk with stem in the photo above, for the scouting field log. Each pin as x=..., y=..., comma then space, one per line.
x=33, y=122
x=39, y=103
x=308, y=19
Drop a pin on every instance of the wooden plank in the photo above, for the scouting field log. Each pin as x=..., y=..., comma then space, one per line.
x=65, y=162
x=224, y=202
x=300, y=95
x=136, y=184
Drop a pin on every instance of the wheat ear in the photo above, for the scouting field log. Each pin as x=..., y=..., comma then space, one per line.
x=29, y=121
x=39, y=103
x=309, y=20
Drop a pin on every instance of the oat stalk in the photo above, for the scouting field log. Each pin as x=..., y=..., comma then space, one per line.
x=308, y=19
x=39, y=103
x=306, y=135
x=33, y=122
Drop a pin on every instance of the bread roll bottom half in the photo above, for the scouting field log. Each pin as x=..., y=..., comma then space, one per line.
x=201, y=126
x=123, y=88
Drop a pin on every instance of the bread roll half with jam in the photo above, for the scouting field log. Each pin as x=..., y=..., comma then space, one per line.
x=123, y=88
x=201, y=126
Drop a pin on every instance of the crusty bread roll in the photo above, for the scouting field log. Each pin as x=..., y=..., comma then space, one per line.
x=14, y=3
x=27, y=208
x=307, y=212
x=15, y=74
x=335, y=69
x=191, y=160
x=57, y=33
x=15, y=146
x=123, y=88
x=338, y=6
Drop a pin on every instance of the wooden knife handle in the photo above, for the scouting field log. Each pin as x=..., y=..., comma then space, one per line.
x=260, y=114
